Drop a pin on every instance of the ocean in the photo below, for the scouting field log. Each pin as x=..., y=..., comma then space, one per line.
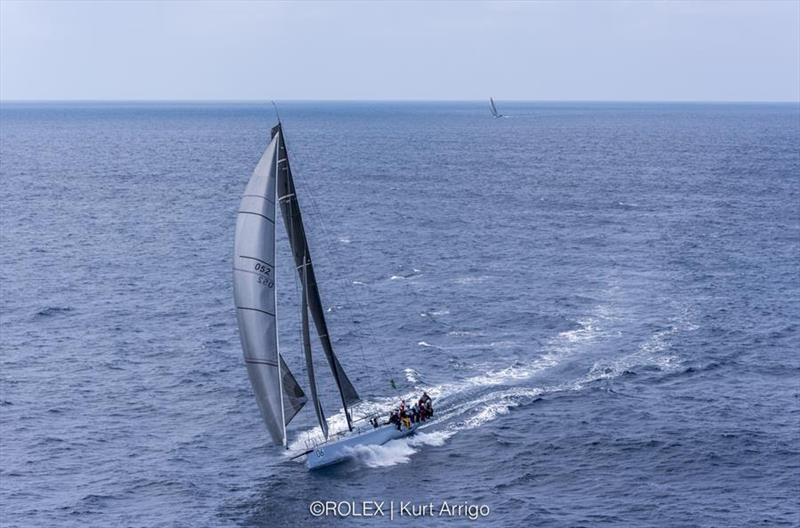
x=603, y=300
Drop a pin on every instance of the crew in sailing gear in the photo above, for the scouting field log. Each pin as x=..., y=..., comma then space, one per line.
x=423, y=413
x=404, y=419
x=426, y=403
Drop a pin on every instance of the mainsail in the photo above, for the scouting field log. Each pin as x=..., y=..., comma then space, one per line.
x=278, y=395
x=293, y=219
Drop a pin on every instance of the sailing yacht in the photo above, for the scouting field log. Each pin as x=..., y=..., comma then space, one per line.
x=277, y=391
x=493, y=109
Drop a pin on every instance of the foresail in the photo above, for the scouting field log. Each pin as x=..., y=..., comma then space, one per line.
x=299, y=244
x=493, y=107
x=254, y=295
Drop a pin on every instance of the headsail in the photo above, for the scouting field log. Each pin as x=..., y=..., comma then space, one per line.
x=302, y=258
x=278, y=395
x=493, y=108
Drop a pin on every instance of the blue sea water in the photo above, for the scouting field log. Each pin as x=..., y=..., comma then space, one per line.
x=603, y=300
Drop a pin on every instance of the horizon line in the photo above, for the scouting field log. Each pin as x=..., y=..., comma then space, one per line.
x=268, y=101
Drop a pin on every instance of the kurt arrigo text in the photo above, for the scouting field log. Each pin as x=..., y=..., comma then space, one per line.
x=398, y=508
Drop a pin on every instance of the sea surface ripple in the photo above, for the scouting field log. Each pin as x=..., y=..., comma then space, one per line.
x=603, y=300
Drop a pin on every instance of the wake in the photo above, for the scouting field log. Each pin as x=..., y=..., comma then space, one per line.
x=398, y=451
x=476, y=400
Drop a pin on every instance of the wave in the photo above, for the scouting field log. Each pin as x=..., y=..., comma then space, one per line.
x=433, y=313
x=464, y=333
x=473, y=346
x=414, y=273
x=471, y=280
x=412, y=376
x=49, y=311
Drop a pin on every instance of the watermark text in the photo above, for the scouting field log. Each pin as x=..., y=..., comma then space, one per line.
x=399, y=509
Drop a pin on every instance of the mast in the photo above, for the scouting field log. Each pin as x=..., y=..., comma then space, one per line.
x=275, y=296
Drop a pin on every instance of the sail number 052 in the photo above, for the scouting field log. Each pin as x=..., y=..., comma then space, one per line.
x=266, y=281
x=262, y=268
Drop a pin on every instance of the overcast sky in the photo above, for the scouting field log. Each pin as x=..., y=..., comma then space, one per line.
x=708, y=51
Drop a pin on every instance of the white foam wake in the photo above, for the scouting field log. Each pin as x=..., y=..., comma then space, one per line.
x=656, y=352
x=476, y=400
x=397, y=451
x=491, y=405
x=559, y=348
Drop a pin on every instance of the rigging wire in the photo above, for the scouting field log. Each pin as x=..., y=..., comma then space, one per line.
x=324, y=255
x=315, y=210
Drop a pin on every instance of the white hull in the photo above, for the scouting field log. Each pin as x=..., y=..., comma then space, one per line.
x=336, y=451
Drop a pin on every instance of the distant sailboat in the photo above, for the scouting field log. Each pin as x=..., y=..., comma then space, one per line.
x=277, y=391
x=493, y=109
